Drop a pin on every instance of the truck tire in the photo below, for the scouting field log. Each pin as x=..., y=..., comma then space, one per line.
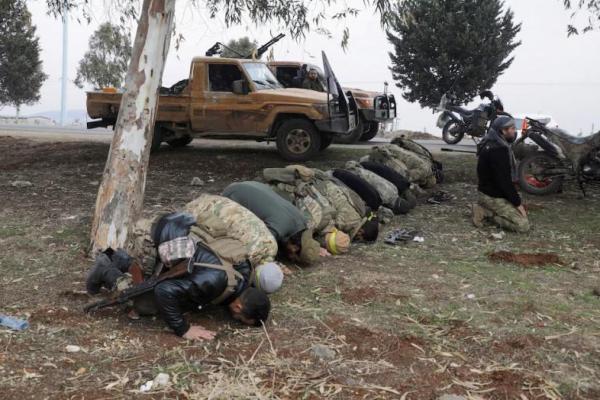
x=298, y=140
x=180, y=142
x=156, y=138
x=371, y=132
x=354, y=136
x=326, y=141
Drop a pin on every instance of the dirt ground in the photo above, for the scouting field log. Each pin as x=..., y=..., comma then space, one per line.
x=415, y=321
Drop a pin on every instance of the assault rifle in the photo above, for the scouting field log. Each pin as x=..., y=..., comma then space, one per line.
x=139, y=289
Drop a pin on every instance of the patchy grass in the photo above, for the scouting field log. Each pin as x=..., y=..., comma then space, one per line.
x=416, y=320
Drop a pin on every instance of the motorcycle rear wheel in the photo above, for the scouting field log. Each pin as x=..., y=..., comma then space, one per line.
x=449, y=135
x=532, y=178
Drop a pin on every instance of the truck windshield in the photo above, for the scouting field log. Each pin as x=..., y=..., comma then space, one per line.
x=261, y=75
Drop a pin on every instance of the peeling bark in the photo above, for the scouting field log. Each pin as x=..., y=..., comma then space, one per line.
x=121, y=194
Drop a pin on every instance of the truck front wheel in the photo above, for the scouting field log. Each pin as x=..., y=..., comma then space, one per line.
x=371, y=132
x=298, y=140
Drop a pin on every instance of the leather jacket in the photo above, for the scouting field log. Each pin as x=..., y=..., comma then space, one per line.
x=174, y=297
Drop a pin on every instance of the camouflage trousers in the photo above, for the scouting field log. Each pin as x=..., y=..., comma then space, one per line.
x=503, y=214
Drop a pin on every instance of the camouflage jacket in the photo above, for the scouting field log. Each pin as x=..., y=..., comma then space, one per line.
x=420, y=169
x=348, y=216
x=141, y=246
x=222, y=217
x=297, y=185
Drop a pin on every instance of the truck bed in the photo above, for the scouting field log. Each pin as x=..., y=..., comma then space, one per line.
x=171, y=108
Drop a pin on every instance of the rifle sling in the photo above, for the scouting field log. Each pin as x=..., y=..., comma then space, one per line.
x=233, y=277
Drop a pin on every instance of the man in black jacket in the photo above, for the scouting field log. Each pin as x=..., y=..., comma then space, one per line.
x=201, y=286
x=499, y=201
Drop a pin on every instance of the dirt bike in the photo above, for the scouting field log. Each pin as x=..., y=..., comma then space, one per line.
x=560, y=157
x=456, y=121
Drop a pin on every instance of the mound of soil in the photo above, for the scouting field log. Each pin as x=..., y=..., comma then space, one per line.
x=526, y=259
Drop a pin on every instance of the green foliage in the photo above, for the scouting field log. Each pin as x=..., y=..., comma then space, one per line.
x=590, y=6
x=105, y=63
x=442, y=45
x=239, y=48
x=21, y=75
x=296, y=17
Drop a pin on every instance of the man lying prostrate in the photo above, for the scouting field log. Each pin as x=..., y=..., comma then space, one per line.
x=286, y=222
x=408, y=199
x=223, y=218
x=207, y=278
x=368, y=194
x=330, y=207
x=387, y=190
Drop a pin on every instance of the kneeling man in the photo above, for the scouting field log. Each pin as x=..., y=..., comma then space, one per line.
x=499, y=201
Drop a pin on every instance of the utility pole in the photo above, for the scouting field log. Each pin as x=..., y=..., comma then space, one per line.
x=65, y=77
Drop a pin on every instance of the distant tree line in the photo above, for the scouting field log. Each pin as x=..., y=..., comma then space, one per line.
x=21, y=74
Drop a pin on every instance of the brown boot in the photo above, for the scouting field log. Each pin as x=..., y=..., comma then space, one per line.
x=479, y=215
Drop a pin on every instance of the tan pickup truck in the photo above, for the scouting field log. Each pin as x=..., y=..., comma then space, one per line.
x=374, y=108
x=240, y=99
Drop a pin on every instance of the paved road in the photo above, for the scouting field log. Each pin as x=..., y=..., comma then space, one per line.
x=54, y=133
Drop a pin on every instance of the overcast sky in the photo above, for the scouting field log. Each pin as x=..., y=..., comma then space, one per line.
x=552, y=74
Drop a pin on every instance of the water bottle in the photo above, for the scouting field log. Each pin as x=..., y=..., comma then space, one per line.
x=13, y=323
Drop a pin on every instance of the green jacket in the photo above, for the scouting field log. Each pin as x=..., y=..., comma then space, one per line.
x=281, y=217
x=312, y=85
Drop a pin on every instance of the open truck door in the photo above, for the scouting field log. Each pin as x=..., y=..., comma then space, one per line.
x=343, y=111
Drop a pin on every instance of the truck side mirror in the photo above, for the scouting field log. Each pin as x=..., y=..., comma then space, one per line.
x=241, y=87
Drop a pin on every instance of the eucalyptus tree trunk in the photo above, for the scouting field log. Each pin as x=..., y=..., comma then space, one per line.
x=121, y=193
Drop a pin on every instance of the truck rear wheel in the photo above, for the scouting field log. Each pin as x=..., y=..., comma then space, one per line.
x=156, y=138
x=181, y=141
x=298, y=140
x=326, y=141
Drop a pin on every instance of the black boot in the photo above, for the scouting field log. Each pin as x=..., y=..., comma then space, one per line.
x=121, y=260
x=102, y=274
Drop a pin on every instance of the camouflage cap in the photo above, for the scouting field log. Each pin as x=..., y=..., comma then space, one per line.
x=310, y=248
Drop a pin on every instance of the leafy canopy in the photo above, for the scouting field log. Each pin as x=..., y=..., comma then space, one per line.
x=21, y=74
x=592, y=7
x=105, y=63
x=297, y=17
x=461, y=46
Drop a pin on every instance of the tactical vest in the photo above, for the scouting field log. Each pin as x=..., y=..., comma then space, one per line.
x=297, y=185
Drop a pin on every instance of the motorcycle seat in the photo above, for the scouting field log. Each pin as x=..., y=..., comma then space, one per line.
x=573, y=139
x=462, y=110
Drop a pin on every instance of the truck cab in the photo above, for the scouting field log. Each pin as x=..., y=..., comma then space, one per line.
x=239, y=99
x=374, y=108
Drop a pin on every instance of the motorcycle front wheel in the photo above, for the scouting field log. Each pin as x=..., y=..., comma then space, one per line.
x=452, y=132
x=533, y=175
